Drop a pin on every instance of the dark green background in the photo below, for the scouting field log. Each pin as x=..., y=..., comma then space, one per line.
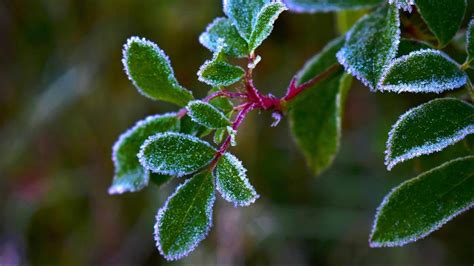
x=64, y=100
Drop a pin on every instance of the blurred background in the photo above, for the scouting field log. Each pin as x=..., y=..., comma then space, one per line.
x=64, y=100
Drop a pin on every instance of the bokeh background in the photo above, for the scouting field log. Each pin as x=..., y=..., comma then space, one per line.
x=64, y=100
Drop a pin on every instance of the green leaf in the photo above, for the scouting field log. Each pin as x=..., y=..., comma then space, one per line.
x=407, y=46
x=207, y=115
x=444, y=17
x=423, y=71
x=219, y=135
x=470, y=41
x=186, y=217
x=403, y=4
x=429, y=128
x=243, y=14
x=313, y=6
x=422, y=205
x=148, y=67
x=175, y=154
x=232, y=182
x=315, y=114
x=263, y=24
x=218, y=73
x=130, y=176
x=371, y=45
x=222, y=103
x=222, y=29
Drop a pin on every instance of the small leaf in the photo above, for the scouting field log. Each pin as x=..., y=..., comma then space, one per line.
x=218, y=73
x=313, y=6
x=370, y=45
x=219, y=135
x=207, y=115
x=422, y=205
x=222, y=29
x=407, y=46
x=222, y=103
x=232, y=182
x=444, y=17
x=263, y=24
x=148, y=67
x=315, y=114
x=423, y=71
x=243, y=13
x=470, y=40
x=175, y=154
x=403, y=4
x=129, y=174
x=186, y=217
x=429, y=128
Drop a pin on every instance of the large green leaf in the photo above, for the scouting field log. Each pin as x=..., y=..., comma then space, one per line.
x=424, y=204
x=470, y=41
x=232, y=182
x=218, y=73
x=186, y=217
x=312, y=6
x=263, y=24
x=429, y=128
x=423, y=71
x=243, y=13
x=444, y=17
x=175, y=154
x=130, y=176
x=148, y=67
x=371, y=45
x=221, y=29
x=315, y=114
x=207, y=115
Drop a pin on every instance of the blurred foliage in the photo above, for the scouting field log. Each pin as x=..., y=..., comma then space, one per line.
x=64, y=100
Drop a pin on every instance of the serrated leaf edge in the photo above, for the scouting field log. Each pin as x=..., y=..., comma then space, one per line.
x=209, y=211
x=242, y=175
x=434, y=87
x=407, y=6
x=144, y=163
x=404, y=241
x=113, y=189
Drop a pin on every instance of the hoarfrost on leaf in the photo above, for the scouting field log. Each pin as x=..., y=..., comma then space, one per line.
x=175, y=154
x=403, y=4
x=207, y=115
x=371, y=45
x=130, y=176
x=232, y=182
x=263, y=23
x=186, y=218
x=223, y=29
x=149, y=68
x=217, y=72
x=429, y=128
x=423, y=204
x=313, y=6
x=243, y=13
x=423, y=71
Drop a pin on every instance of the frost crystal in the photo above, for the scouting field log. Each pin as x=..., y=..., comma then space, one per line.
x=313, y=6
x=403, y=4
x=422, y=71
x=232, y=183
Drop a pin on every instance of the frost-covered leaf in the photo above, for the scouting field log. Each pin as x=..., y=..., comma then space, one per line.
x=408, y=45
x=423, y=71
x=470, y=40
x=218, y=73
x=223, y=29
x=444, y=17
x=186, y=217
x=422, y=205
x=243, y=14
x=130, y=176
x=232, y=182
x=148, y=67
x=219, y=135
x=312, y=6
x=263, y=24
x=175, y=154
x=429, y=128
x=371, y=44
x=403, y=4
x=207, y=115
x=315, y=114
